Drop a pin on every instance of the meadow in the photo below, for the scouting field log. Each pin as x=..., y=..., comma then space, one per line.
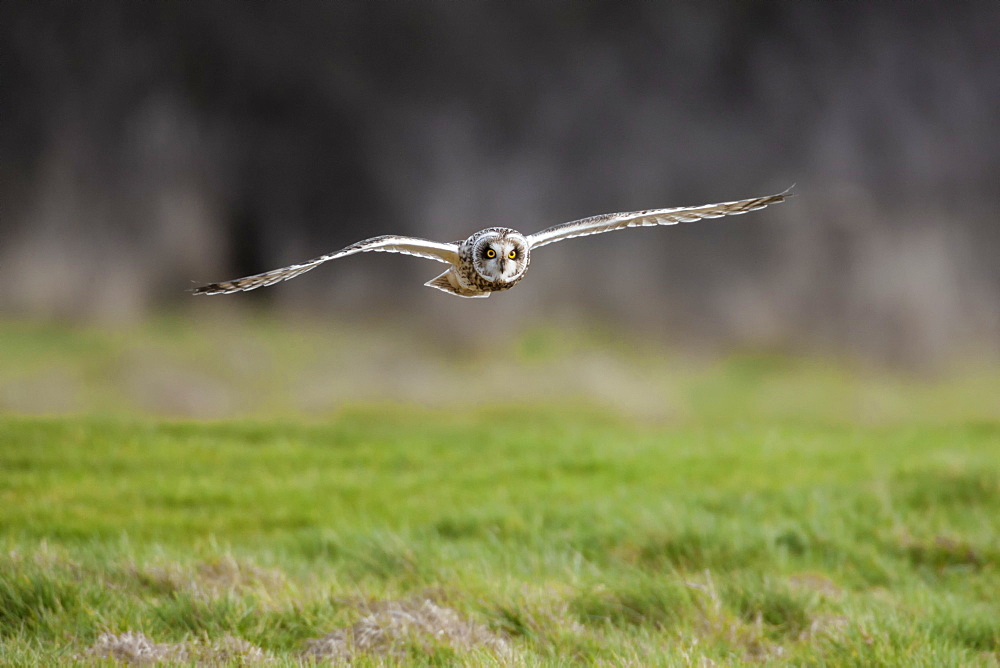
x=163, y=499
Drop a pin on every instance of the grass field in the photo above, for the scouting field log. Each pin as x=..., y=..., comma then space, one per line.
x=755, y=509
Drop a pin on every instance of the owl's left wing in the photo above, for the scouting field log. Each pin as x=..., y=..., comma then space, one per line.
x=390, y=243
x=619, y=221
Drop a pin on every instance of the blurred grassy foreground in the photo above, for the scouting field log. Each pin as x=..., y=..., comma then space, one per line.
x=555, y=499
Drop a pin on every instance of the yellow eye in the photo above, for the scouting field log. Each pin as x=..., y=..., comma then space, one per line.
x=491, y=253
x=512, y=254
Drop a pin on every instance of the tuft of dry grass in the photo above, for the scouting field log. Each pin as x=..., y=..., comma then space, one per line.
x=209, y=580
x=397, y=628
x=135, y=648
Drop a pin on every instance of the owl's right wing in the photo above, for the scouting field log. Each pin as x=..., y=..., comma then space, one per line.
x=619, y=221
x=447, y=253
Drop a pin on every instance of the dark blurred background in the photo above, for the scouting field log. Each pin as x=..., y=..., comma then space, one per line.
x=148, y=145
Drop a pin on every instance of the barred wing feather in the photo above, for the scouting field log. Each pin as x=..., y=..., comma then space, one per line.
x=619, y=221
x=447, y=253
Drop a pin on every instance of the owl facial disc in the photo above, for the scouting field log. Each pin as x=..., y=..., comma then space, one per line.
x=500, y=256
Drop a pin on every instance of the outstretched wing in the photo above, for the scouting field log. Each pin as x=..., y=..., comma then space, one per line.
x=447, y=253
x=619, y=221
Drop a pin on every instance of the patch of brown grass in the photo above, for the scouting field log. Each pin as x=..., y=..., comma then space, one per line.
x=391, y=628
x=135, y=648
x=815, y=582
x=211, y=579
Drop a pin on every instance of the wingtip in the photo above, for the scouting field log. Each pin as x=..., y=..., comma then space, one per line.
x=209, y=289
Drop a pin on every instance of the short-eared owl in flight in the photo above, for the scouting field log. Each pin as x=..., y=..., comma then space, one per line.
x=496, y=258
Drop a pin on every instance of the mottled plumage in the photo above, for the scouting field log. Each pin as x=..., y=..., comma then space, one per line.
x=495, y=259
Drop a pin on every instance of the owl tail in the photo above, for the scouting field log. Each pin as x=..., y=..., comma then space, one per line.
x=448, y=282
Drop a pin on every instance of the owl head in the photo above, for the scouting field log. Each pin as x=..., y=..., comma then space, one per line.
x=500, y=254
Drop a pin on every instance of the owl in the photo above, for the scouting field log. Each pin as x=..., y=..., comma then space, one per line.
x=495, y=259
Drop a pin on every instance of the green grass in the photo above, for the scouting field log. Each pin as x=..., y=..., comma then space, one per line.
x=760, y=518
